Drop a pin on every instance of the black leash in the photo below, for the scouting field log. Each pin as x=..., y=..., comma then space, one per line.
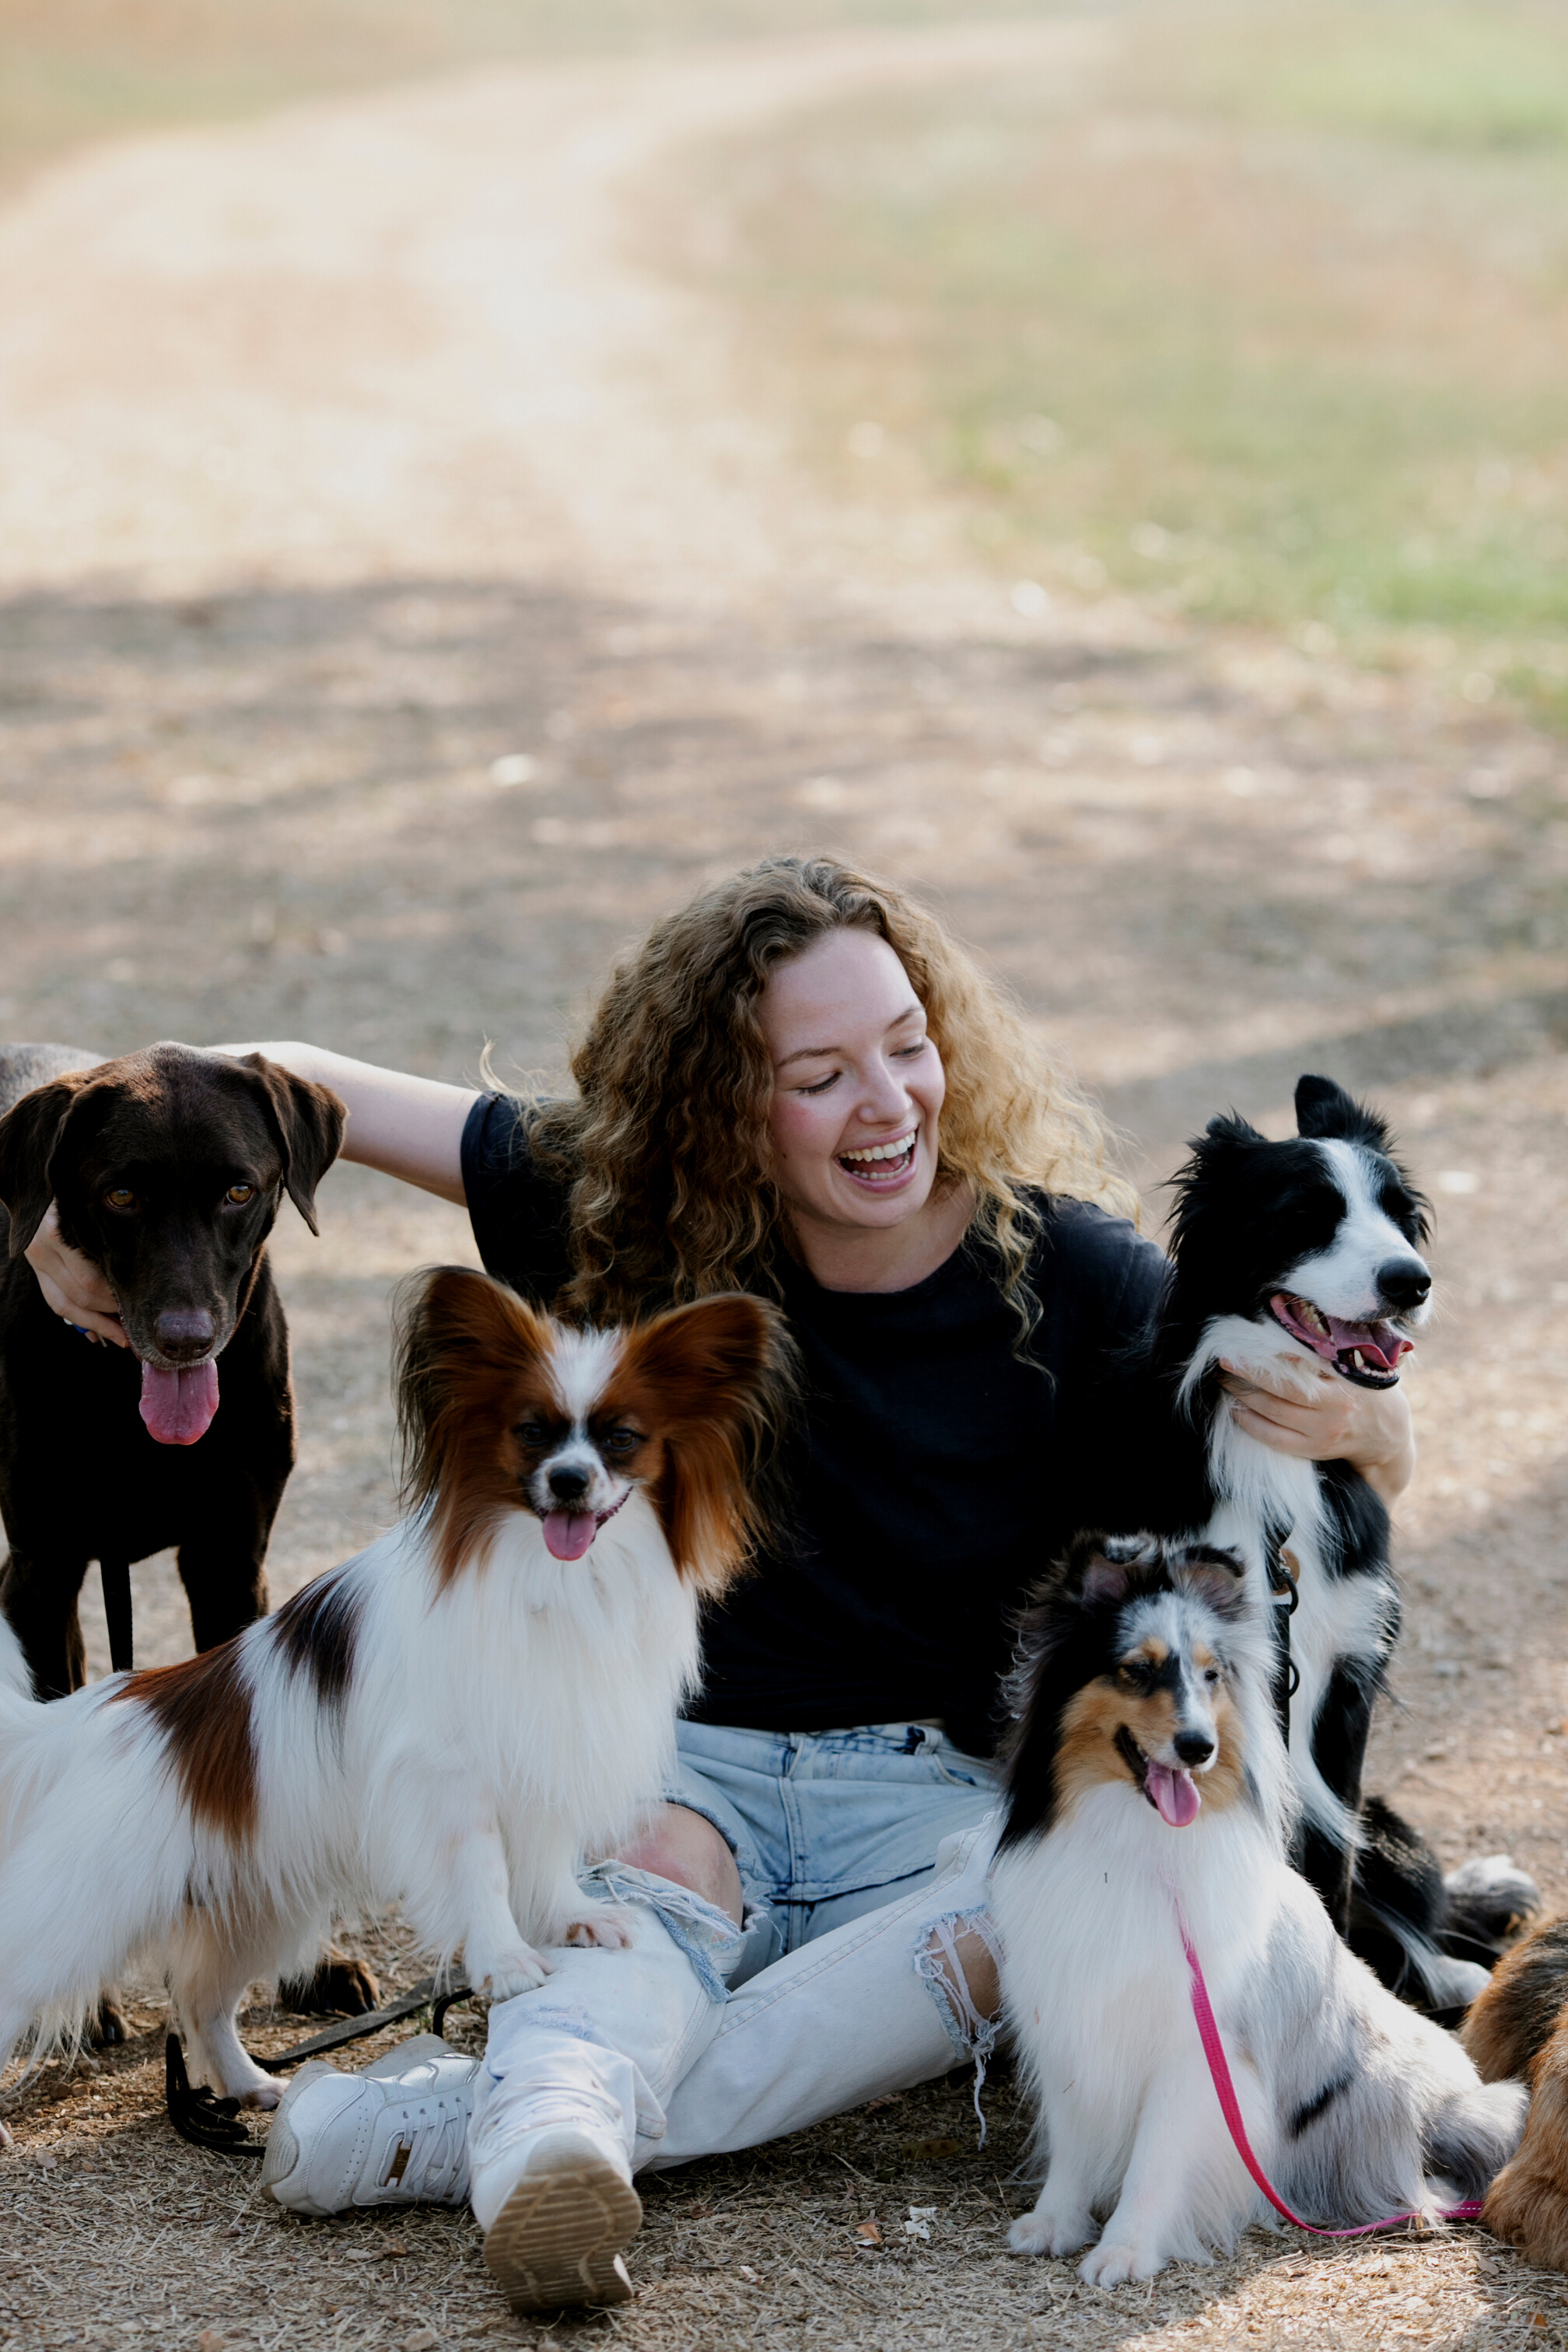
x=207, y=2121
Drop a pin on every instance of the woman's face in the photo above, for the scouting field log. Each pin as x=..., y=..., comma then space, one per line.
x=857, y=1084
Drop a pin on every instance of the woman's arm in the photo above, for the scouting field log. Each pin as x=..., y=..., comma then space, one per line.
x=1369, y=1428
x=406, y=1126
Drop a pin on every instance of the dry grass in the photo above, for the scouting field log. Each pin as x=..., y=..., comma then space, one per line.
x=1205, y=860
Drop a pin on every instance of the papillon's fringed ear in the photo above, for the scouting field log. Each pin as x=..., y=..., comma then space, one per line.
x=1324, y=1110
x=1214, y=1576
x=461, y=1344
x=720, y=1379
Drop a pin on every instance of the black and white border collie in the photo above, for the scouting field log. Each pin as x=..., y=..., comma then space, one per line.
x=1148, y=1789
x=454, y=1721
x=1287, y=1256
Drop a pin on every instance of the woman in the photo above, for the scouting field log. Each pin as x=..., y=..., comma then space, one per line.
x=802, y=1086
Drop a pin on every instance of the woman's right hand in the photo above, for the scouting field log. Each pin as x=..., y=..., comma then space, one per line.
x=72, y=1285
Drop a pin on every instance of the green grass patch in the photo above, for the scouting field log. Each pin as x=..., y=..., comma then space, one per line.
x=1276, y=359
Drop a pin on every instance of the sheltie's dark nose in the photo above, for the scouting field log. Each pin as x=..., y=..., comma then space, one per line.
x=1404, y=1282
x=1193, y=1746
x=568, y=1486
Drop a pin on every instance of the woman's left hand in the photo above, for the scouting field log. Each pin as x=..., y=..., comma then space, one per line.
x=1369, y=1428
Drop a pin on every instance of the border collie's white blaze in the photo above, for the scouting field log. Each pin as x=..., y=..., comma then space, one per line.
x=454, y=1721
x=1287, y=1257
x=1356, y=2107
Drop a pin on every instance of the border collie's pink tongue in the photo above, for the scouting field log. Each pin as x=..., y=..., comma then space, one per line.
x=178, y=1407
x=1379, y=1345
x=569, y=1534
x=1175, y=1793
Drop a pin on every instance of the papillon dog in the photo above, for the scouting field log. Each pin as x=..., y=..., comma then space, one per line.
x=454, y=1721
x=1287, y=1257
x=1148, y=1790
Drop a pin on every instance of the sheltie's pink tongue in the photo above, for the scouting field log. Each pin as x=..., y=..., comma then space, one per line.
x=1176, y=1793
x=568, y=1533
x=178, y=1407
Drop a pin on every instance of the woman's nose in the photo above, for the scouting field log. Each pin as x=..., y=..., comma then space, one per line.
x=886, y=1095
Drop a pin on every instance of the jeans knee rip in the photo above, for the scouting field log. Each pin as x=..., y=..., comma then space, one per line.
x=708, y=1937
x=974, y=2037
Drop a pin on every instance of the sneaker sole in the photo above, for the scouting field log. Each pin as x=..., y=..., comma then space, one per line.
x=557, y=2240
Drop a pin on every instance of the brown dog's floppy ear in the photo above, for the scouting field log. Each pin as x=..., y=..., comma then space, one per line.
x=29, y=1136
x=308, y=1120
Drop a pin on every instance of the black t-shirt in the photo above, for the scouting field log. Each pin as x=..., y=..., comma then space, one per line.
x=937, y=1473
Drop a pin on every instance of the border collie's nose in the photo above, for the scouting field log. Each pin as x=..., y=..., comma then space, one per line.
x=1404, y=1282
x=185, y=1331
x=1192, y=1746
x=568, y=1486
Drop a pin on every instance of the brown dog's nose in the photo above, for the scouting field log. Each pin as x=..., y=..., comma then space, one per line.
x=185, y=1331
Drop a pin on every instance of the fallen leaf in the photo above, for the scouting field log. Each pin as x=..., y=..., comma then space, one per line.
x=868, y=2233
x=391, y=2252
x=209, y=2340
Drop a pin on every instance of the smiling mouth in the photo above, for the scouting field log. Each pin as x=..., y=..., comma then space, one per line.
x=1170, y=1789
x=1367, y=1353
x=881, y=1164
x=569, y=1534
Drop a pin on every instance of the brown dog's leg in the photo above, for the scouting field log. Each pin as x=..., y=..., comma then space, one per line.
x=1528, y=2202
x=341, y=1986
x=39, y=1599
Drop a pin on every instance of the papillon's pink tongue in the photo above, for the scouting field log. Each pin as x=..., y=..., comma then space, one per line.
x=178, y=1407
x=1176, y=1793
x=568, y=1533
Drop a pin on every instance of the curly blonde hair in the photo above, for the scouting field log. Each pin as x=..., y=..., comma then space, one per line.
x=666, y=1149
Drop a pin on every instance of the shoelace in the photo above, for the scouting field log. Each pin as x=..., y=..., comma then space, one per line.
x=428, y=2153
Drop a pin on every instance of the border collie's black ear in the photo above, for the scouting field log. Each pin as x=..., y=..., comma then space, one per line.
x=308, y=1120
x=1211, y=1575
x=1323, y=1109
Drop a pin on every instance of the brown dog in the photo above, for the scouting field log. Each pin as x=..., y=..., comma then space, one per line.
x=1518, y=2027
x=167, y=1169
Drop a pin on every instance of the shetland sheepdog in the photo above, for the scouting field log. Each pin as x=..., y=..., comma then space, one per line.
x=1147, y=1783
x=1287, y=1257
x=453, y=1721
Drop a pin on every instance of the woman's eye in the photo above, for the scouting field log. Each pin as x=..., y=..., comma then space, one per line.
x=821, y=1087
x=239, y=1194
x=905, y=1053
x=120, y=1196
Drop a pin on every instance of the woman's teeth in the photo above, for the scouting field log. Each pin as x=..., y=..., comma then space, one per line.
x=897, y=1149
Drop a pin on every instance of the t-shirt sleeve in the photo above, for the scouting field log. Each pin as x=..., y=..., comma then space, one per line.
x=519, y=1216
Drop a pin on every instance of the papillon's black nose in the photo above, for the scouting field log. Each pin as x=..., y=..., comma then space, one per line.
x=1192, y=1746
x=568, y=1486
x=1404, y=1282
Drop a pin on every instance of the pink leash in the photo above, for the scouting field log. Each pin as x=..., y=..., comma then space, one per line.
x=1214, y=2051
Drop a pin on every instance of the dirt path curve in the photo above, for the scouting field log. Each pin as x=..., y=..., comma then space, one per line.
x=398, y=606
x=400, y=333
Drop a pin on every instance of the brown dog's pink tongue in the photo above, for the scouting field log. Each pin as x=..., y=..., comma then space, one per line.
x=569, y=1534
x=178, y=1407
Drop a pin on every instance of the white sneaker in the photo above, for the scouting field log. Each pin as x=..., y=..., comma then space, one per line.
x=558, y=2236
x=396, y=2135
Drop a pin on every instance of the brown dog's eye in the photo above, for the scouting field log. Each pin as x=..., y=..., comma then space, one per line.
x=623, y=1441
x=120, y=1196
x=238, y=1195
x=531, y=1432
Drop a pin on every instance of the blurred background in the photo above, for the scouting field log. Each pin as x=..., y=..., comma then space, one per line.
x=472, y=469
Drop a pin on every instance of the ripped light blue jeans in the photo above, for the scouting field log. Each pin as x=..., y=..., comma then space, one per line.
x=863, y=1857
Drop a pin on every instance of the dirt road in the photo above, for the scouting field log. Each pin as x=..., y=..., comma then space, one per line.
x=400, y=607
